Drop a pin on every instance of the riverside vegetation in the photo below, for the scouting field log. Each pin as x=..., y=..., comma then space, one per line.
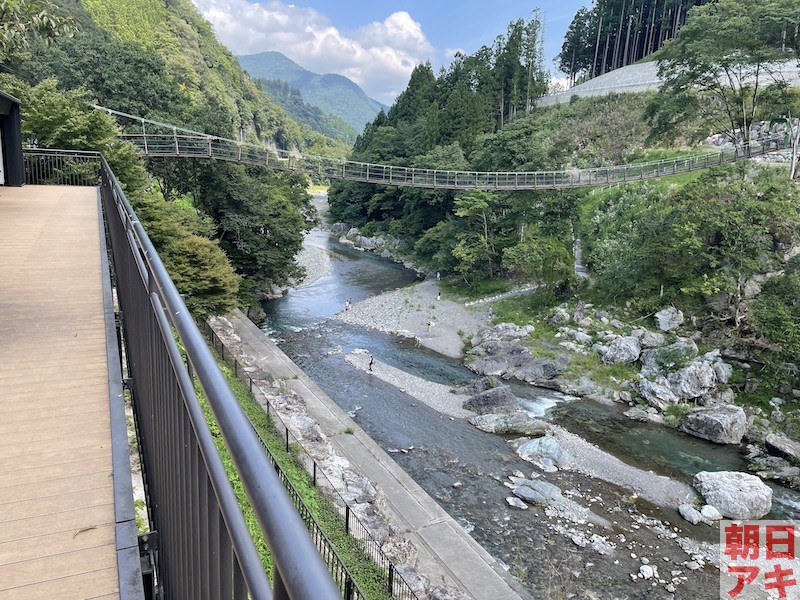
x=720, y=246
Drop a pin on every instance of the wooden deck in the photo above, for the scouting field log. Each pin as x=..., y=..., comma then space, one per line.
x=57, y=516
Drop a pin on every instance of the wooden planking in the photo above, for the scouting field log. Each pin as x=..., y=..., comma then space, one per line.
x=57, y=533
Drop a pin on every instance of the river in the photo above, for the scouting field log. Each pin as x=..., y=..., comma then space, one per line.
x=438, y=451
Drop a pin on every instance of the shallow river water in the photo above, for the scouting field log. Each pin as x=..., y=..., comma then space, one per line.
x=445, y=450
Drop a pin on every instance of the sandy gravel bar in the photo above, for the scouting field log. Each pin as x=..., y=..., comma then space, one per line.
x=591, y=460
x=436, y=395
x=408, y=311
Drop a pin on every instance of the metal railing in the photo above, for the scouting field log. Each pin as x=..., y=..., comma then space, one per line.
x=395, y=583
x=163, y=140
x=205, y=550
x=187, y=146
x=61, y=167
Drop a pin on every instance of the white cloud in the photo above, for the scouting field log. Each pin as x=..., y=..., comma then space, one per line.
x=379, y=56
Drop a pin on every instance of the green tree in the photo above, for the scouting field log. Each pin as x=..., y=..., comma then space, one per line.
x=65, y=119
x=720, y=61
x=258, y=221
x=22, y=21
x=776, y=313
x=575, y=56
x=476, y=248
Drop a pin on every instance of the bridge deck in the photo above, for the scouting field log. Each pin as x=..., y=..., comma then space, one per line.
x=57, y=519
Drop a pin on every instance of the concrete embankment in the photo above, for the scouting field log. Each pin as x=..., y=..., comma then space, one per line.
x=446, y=554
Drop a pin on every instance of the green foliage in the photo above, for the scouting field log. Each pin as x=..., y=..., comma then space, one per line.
x=719, y=62
x=23, y=21
x=610, y=376
x=369, y=577
x=134, y=21
x=56, y=119
x=776, y=313
x=698, y=242
x=675, y=413
x=197, y=265
x=258, y=220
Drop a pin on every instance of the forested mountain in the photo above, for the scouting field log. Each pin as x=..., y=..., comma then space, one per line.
x=291, y=100
x=333, y=94
x=162, y=61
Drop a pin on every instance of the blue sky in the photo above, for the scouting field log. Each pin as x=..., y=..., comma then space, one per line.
x=377, y=44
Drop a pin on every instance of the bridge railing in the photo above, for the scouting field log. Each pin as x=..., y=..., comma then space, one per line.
x=205, y=550
x=192, y=145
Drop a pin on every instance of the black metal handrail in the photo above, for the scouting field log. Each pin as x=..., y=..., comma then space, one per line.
x=205, y=548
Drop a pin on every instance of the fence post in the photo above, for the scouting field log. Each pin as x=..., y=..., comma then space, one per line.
x=287, y=439
x=391, y=578
x=348, y=588
x=347, y=519
x=315, y=473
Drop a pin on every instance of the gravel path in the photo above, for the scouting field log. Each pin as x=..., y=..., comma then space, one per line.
x=436, y=395
x=408, y=311
x=594, y=462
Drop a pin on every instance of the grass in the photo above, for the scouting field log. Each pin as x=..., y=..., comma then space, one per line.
x=610, y=376
x=317, y=189
x=369, y=577
x=474, y=290
x=675, y=413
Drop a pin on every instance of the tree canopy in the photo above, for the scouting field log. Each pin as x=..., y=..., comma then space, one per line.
x=723, y=61
x=22, y=21
x=615, y=33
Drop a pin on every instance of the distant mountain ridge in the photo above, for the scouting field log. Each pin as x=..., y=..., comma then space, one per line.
x=334, y=94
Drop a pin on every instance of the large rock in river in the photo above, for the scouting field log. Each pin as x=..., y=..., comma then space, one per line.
x=494, y=400
x=511, y=423
x=540, y=369
x=736, y=495
x=546, y=453
x=539, y=492
x=784, y=445
x=723, y=424
x=658, y=393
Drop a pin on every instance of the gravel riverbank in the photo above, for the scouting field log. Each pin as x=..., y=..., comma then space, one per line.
x=415, y=312
x=436, y=395
x=316, y=261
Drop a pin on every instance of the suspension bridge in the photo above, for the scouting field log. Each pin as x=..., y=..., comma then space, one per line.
x=157, y=139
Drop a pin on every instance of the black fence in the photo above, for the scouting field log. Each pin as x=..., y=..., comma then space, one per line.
x=205, y=550
x=61, y=167
x=396, y=585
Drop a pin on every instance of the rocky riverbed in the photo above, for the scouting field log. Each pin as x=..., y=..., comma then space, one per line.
x=576, y=526
x=600, y=523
